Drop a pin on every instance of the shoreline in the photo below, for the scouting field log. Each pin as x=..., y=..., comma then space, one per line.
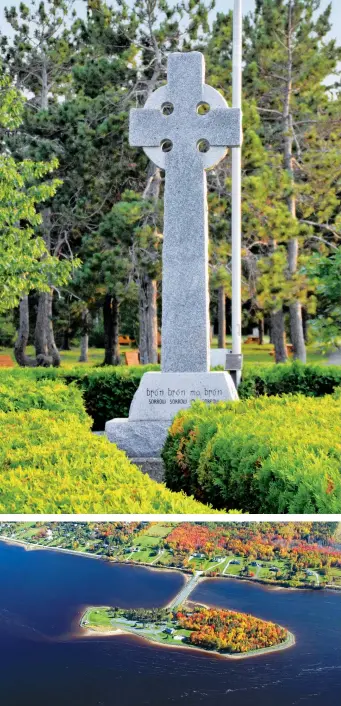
x=29, y=546
x=111, y=632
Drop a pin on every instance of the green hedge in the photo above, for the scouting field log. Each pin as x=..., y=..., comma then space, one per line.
x=294, y=378
x=22, y=393
x=50, y=461
x=278, y=455
x=54, y=465
x=109, y=391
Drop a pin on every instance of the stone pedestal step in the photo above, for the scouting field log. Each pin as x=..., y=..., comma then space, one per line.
x=154, y=467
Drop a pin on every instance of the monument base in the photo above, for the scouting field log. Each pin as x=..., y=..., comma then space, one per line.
x=138, y=439
x=159, y=397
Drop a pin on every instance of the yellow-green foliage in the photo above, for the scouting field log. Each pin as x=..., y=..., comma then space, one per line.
x=24, y=393
x=263, y=455
x=52, y=463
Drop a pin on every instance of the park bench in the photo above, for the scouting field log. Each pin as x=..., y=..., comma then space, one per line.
x=252, y=339
x=132, y=357
x=6, y=361
x=125, y=340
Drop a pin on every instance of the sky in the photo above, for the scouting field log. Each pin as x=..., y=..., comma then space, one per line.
x=221, y=6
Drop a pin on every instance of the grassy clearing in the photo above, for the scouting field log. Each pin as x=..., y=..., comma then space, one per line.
x=252, y=354
x=159, y=530
x=98, y=617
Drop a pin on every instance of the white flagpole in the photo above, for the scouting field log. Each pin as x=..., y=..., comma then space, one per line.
x=236, y=189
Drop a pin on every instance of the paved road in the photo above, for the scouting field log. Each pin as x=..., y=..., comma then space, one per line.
x=186, y=590
x=157, y=557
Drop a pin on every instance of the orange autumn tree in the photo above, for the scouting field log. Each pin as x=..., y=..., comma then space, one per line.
x=229, y=631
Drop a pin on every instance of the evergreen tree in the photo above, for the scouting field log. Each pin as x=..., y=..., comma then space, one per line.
x=288, y=62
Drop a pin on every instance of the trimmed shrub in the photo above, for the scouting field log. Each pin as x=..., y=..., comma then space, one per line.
x=279, y=455
x=50, y=464
x=108, y=391
x=294, y=378
x=24, y=393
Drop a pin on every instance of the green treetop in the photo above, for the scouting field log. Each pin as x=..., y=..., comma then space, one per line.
x=25, y=263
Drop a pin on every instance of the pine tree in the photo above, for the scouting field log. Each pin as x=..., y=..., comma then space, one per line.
x=288, y=61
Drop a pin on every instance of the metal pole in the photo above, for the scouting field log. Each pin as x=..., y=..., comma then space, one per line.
x=236, y=190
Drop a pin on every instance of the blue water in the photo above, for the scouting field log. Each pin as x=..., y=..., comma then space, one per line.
x=44, y=663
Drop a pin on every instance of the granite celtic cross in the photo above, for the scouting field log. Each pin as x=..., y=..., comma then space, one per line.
x=173, y=131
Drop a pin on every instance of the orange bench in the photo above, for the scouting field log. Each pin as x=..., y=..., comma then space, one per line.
x=6, y=361
x=132, y=357
x=252, y=339
x=125, y=340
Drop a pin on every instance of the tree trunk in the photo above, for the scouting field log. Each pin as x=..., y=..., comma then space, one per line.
x=110, y=321
x=296, y=327
x=84, y=344
x=51, y=344
x=296, y=332
x=44, y=339
x=271, y=340
x=278, y=336
x=221, y=317
x=66, y=340
x=305, y=324
x=23, y=333
x=148, y=319
x=40, y=335
x=147, y=282
x=261, y=331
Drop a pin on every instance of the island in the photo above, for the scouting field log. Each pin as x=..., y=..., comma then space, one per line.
x=217, y=631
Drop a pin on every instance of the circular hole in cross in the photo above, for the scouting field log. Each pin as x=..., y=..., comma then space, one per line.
x=167, y=108
x=166, y=145
x=203, y=108
x=203, y=145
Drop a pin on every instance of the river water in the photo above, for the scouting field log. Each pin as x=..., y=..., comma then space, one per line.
x=44, y=663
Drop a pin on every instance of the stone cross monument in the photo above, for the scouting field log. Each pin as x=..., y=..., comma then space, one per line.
x=185, y=128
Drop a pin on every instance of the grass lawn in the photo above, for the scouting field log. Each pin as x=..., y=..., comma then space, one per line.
x=144, y=540
x=234, y=569
x=335, y=575
x=98, y=617
x=159, y=530
x=252, y=354
x=166, y=558
x=144, y=555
